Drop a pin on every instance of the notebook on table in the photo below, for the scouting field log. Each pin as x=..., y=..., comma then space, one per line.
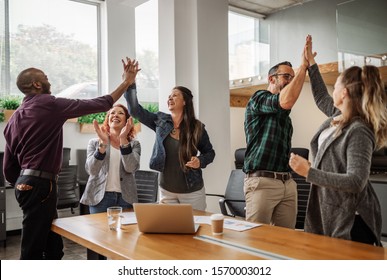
x=165, y=218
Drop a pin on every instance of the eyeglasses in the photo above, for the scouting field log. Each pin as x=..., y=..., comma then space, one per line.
x=286, y=76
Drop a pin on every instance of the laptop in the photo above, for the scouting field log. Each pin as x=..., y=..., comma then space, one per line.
x=165, y=218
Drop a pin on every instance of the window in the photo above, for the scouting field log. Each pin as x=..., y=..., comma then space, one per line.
x=249, y=49
x=147, y=51
x=60, y=37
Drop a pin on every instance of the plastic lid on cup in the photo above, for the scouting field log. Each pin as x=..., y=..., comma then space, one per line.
x=217, y=217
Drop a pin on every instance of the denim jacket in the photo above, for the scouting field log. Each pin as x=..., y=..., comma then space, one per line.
x=162, y=124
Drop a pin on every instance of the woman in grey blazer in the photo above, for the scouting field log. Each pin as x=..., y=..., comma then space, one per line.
x=112, y=160
x=342, y=202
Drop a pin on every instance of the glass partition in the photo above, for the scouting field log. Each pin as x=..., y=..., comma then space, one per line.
x=249, y=49
x=362, y=29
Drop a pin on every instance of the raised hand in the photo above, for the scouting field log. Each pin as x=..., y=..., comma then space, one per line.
x=308, y=51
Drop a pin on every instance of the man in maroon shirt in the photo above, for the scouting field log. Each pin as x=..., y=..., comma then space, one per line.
x=33, y=154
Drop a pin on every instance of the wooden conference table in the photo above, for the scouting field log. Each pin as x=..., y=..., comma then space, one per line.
x=264, y=242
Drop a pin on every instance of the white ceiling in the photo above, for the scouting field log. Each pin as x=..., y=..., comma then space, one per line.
x=263, y=8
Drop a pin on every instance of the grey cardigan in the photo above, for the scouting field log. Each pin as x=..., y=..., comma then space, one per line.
x=340, y=174
x=97, y=166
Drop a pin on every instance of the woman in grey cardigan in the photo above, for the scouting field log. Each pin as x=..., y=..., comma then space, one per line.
x=342, y=202
x=112, y=160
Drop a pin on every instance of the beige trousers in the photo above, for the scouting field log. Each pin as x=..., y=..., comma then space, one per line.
x=271, y=201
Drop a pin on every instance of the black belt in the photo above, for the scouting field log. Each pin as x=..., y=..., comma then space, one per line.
x=283, y=176
x=38, y=173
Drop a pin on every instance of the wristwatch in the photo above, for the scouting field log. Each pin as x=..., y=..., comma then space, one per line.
x=125, y=145
x=101, y=145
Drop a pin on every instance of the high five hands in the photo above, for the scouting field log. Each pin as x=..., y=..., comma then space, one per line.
x=130, y=70
x=308, y=53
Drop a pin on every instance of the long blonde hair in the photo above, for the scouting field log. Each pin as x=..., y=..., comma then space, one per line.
x=368, y=100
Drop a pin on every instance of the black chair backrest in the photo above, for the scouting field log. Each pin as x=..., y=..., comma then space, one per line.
x=301, y=152
x=2, y=178
x=303, y=189
x=147, y=185
x=68, y=196
x=379, y=161
x=82, y=175
x=66, y=157
x=239, y=157
x=234, y=197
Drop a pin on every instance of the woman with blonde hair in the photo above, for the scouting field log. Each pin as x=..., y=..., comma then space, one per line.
x=112, y=160
x=342, y=202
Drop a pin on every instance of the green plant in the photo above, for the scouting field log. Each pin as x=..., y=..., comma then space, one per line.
x=10, y=102
x=2, y=117
x=100, y=117
x=151, y=107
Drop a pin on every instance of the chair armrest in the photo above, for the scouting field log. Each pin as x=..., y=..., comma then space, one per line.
x=214, y=194
x=227, y=202
x=223, y=208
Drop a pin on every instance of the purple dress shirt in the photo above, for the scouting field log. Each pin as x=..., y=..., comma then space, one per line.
x=34, y=134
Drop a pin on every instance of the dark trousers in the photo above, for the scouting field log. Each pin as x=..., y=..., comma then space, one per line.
x=360, y=232
x=37, y=197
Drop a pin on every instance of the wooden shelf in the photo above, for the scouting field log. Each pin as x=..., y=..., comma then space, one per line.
x=239, y=96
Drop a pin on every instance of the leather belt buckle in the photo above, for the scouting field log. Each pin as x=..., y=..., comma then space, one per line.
x=281, y=176
x=278, y=176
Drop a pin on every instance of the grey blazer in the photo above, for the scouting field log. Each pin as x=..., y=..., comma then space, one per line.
x=340, y=174
x=97, y=166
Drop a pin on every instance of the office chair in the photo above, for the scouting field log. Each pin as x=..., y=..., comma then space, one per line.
x=68, y=192
x=147, y=185
x=82, y=177
x=66, y=157
x=303, y=189
x=233, y=202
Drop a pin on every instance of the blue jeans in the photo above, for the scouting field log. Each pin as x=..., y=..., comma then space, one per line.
x=110, y=199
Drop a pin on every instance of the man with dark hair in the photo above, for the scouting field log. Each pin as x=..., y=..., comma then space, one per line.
x=33, y=154
x=271, y=193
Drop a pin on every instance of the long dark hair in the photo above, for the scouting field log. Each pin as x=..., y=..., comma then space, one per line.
x=190, y=129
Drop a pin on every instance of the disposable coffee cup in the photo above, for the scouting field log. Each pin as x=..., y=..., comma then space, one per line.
x=114, y=214
x=217, y=224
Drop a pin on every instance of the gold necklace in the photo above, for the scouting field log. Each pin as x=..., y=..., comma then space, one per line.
x=174, y=130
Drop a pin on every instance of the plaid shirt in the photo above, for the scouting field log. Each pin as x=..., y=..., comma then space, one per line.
x=268, y=130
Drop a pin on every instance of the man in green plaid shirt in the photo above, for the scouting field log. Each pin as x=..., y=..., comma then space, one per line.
x=271, y=193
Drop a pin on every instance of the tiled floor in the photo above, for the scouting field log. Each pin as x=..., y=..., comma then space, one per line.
x=11, y=251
